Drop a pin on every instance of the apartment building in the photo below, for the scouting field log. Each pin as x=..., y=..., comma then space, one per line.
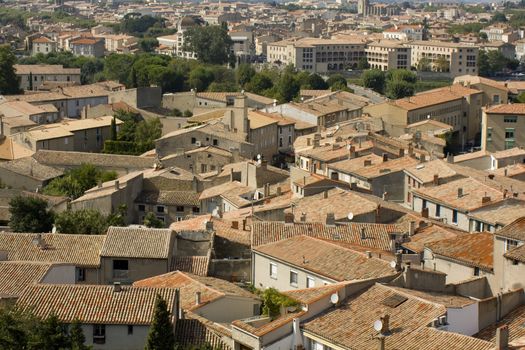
x=501, y=125
x=462, y=58
x=119, y=43
x=388, y=54
x=90, y=47
x=34, y=76
x=243, y=43
x=317, y=55
x=405, y=32
x=501, y=32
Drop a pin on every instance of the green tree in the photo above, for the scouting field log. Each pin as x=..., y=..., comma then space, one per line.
x=374, y=79
x=211, y=44
x=148, y=131
x=484, y=69
x=113, y=130
x=336, y=81
x=483, y=36
x=78, y=180
x=13, y=329
x=50, y=335
x=498, y=17
x=151, y=220
x=137, y=25
x=200, y=78
x=273, y=300
x=398, y=89
x=401, y=74
x=118, y=67
x=244, y=74
x=442, y=64
x=148, y=44
x=260, y=83
x=521, y=98
x=9, y=82
x=424, y=65
x=83, y=221
x=77, y=337
x=316, y=82
x=362, y=64
x=30, y=214
x=160, y=335
x=287, y=87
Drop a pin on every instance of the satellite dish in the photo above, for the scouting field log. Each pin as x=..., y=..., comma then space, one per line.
x=393, y=264
x=378, y=325
x=259, y=157
x=350, y=216
x=348, y=147
x=334, y=298
x=54, y=229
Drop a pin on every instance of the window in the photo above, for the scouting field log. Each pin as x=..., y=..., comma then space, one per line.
x=510, y=119
x=293, y=278
x=476, y=271
x=99, y=334
x=130, y=329
x=273, y=270
x=454, y=216
x=160, y=209
x=142, y=207
x=509, y=133
x=215, y=142
x=280, y=142
x=80, y=274
x=489, y=134
x=509, y=144
x=510, y=244
x=120, y=268
x=193, y=140
x=180, y=208
x=438, y=210
x=424, y=205
x=310, y=282
x=195, y=210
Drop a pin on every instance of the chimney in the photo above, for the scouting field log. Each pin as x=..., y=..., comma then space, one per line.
x=385, y=157
x=99, y=184
x=316, y=143
x=436, y=180
x=424, y=213
x=197, y=298
x=278, y=190
x=330, y=219
x=235, y=225
x=303, y=217
x=422, y=158
x=460, y=192
x=231, y=174
x=485, y=199
x=505, y=172
x=386, y=324
x=308, y=141
x=176, y=305
x=411, y=228
x=368, y=254
x=491, y=176
x=363, y=233
x=116, y=287
x=367, y=162
x=352, y=152
x=502, y=337
x=117, y=184
x=288, y=218
x=401, y=152
x=325, y=194
x=450, y=158
x=399, y=260
x=209, y=225
x=410, y=149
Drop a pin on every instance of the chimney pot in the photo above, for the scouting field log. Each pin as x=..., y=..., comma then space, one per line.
x=363, y=233
x=235, y=225
x=116, y=287
x=197, y=298
x=385, y=157
x=325, y=194
x=368, y=254
x=117, y=184
x=502, y=338
x=209, y=225
x=330, y=219
x=288, y=218
x=460, y=192
x=436, y=180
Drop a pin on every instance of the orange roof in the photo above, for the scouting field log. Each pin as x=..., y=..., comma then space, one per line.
x=515, y=108
x=434, y=97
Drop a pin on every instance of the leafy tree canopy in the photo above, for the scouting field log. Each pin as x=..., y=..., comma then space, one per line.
x=30, y=214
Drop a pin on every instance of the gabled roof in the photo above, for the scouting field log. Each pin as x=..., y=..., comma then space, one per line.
x=326, y=259
x=430, y=234
x=67, y=159
x=80, y=250
x=514, y=319
x=94, y=304
x=15, y=276
x=425, y=172
x=132, y=242
x=349, y=325
x=514, y=108
x=475, y=250
x=211, y=288
x=434, y=97
x=515, y=230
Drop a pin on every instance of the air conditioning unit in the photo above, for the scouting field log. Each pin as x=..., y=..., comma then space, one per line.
x=198, y=143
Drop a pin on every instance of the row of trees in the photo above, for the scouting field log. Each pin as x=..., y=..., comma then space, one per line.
x=492, y=62
x=395, y=83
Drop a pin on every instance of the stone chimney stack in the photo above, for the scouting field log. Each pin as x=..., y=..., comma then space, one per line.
x=502, y=338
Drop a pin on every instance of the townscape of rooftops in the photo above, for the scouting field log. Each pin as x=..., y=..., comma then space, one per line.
x=308, y=175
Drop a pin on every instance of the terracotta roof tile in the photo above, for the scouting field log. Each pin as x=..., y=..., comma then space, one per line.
x=514, y=108
x=514, y=319
x=134, y=242
x=15, y=276
x=94, y=303
x=196, y=264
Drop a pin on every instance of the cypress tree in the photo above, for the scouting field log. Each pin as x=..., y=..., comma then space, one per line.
x=161, y=335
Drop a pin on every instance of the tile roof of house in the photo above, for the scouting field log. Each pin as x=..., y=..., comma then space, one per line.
x=259, y=120
x=327, y=259
x=222, y=227
x=15, y=276
x=211, y=288
x=42, y=40
x=48, y=132
x=501, y=213
x=349, y=325
x=337, y=201
x=95, y=304
x=194, y=264
x=428, y=338
x=132, y=242
x=196, y=332
x=80, y=250
x=434, y=97
x=428, y=234
x=222, y=189
x=66, y=159
x=512, y=170
x=511, y=152
x=517, y=253
x=385, y=168
x=354, y=164
x=474, y=79
x=308, y=296
x=169, y=198
x=376, y=235
x=38, y=69
x=514, y=108
x=514, y=230
x=335, y=151
x=445, y=299
x=471, y=198
x=10, y=150
x=475, y=249
x=514, y=319
x=425, y=172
